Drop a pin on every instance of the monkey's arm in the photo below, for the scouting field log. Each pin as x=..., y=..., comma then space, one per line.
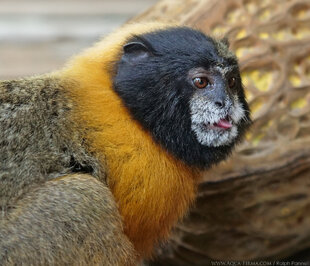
x=71, y=220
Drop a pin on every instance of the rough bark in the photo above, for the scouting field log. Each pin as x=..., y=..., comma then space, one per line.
x=256, y=205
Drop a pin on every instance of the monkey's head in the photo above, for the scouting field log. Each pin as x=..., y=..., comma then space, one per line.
x=185, y=89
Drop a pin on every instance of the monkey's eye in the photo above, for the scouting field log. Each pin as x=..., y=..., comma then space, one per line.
x=201, y=83
x=232, y=82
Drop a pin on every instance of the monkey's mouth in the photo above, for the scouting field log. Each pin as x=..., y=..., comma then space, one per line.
x=222, y=124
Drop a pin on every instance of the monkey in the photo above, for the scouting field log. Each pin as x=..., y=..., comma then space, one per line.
x=100, y=159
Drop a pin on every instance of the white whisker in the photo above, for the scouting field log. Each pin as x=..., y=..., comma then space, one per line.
x=204, y=114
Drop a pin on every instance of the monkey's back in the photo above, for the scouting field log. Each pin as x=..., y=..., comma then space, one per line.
x=38, y=141
x=55, y=210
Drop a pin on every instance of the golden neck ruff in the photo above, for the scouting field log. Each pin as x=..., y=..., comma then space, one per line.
x=152, y=189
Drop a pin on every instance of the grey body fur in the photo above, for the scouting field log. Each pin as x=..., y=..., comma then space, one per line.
x=46, y=217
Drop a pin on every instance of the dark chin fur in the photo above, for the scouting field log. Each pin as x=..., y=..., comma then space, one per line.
x=157, y=93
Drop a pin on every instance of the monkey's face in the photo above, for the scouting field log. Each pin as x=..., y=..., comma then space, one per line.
x=216, y=111
x=185, y=89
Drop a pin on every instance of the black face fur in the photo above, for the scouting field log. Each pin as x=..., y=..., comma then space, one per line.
x=153, y=81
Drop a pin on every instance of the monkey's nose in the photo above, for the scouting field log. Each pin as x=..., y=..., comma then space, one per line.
x=220, y=103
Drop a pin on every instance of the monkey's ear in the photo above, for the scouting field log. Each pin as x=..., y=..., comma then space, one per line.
x=225, y=41
x=135, y=51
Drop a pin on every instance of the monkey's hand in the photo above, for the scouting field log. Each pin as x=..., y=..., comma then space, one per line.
x=70, y=220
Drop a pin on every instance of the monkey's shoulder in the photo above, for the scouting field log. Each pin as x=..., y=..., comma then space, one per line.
x=60, y=213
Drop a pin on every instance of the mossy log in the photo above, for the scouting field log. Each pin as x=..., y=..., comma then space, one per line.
x=256, y=205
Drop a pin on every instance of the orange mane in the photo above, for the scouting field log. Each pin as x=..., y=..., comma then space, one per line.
x=153, y=189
